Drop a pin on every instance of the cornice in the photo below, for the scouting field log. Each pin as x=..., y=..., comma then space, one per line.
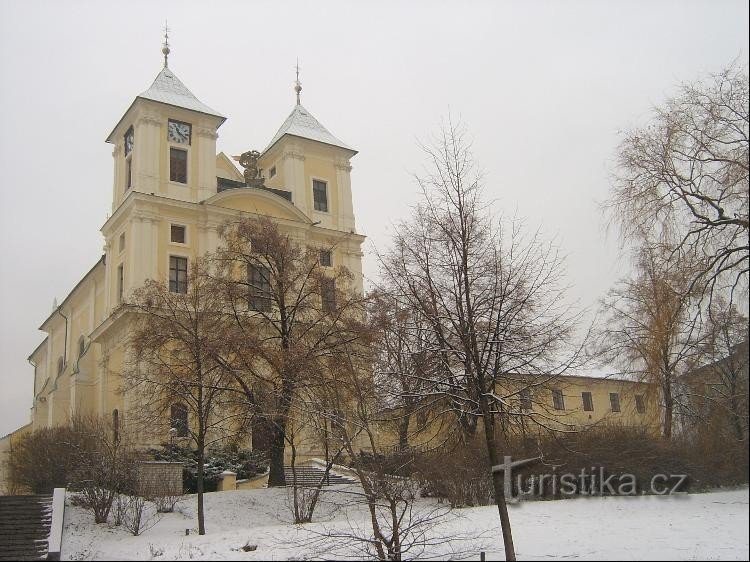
x=293, y=155
x=207, y=133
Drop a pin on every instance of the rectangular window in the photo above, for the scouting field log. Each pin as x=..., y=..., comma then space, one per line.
x=120, y=282
x=178, y=274
x=558, y=401
x=325, y=258
x=614, y=401
x=640, y=404
x=320, y=195
x=525, y=397
x=272, y=172
x=328, y=294
x=177, y=234
x=121, y=243
x=178, y=165
x=588, y=402
x=259, y=281
x=178, y=420
x=129, y=173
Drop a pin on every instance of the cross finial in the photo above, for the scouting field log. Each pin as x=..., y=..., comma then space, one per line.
x=165, y=48
x=297, y=83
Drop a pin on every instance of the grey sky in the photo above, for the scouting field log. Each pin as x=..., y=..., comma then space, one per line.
x=544, y=88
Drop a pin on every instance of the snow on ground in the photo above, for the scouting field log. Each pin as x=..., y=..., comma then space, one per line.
x=710, y=526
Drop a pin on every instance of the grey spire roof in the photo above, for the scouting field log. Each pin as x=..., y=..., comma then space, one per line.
x=301, y=123
x=168, y=89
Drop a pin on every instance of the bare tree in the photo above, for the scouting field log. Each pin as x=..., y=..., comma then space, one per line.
x=492, y=297
x=687, y=172
x=649, y=328
x=289, y=313
x=404, y=361
x=398, y=528
x=719, y=388
x=176, y=374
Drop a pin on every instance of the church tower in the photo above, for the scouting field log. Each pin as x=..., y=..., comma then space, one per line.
x=165, y=143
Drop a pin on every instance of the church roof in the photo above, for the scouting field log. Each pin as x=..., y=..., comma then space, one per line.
x=170, y=90
x=301, y=123
x=167, y=88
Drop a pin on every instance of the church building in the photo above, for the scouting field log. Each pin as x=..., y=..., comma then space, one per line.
x=171, y=190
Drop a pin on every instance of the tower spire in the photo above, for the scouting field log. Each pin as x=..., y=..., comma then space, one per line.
x=297, y=83
x=165, y=49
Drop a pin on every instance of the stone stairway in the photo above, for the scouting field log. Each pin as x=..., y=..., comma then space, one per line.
x=311, y=475
x=24, y=527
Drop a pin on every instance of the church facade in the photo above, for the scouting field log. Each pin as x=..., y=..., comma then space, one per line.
x=171, y=192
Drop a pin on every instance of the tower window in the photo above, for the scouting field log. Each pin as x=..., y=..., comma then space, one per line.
x=614, y=401
x=178, y=419
x=525, y=398
x=558, y=401
x=177, y=234
x=120, y=282
x=178, y=165
x=588, y=402
x=325, y=258
x=115, y=425
x=259, y=281
x=178, y=274
x=640, y=404
x=320, y=195
x=129, y=173
x=328, y=294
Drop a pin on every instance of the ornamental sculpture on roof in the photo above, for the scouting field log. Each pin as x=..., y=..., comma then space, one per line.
x=249, y=161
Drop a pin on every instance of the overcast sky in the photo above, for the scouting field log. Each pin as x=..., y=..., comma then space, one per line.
x=545, y=89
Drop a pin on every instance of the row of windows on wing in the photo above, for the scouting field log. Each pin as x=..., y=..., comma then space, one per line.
x=81, y=350
x=178, y=421
x=258, y=281
x=558, y=401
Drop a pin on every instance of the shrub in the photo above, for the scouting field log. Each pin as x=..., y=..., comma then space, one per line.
x=218, y=459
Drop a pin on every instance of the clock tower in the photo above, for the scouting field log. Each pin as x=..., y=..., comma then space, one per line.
x=165, y=143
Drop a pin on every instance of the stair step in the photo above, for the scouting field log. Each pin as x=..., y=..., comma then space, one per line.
x=311, y=476
x=24, y=527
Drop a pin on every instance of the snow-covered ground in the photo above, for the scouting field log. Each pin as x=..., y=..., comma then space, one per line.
x=711, y=526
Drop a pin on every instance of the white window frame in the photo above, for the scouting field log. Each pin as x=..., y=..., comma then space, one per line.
x=179, y=244
x=313, y=179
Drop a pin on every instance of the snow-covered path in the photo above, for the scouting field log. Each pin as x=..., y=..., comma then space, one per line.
x=712, y=526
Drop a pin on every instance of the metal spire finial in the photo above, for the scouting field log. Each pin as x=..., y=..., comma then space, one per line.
x=165, y=48
x=297, y=83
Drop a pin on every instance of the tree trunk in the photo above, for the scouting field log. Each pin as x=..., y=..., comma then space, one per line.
x=497, y=479
x=199, y=486
x=667, y=433
x=277, y=444
x=403, y=432
x=668, y=411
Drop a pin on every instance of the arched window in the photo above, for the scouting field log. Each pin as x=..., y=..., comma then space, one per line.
x=60, y=366
x=116, y=425
x=81, y=346
x=179, y=419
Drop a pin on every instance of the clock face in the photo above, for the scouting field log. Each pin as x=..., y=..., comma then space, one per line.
x=178, y=132
x=129, y=141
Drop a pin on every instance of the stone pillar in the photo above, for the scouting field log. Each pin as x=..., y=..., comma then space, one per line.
x=206, y=147
x=294, y=175
x=146, y=155
x=345, y=212
x=227, y=481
